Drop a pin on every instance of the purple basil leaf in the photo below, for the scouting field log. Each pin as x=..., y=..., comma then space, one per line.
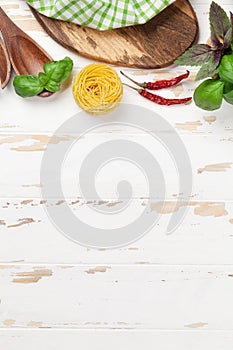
x=209, y=68
x=219, y=24
x=228, y=38
x=206, y=71
x=217, y=57
x=214, y=39
x=231, y=19
x=196, y=55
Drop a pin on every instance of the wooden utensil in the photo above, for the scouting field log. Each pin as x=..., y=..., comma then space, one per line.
x=5, y=66
x=26, y=56
x=155, y=44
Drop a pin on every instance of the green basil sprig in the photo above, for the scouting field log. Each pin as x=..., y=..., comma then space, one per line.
x=55, y=73
x=210, y=93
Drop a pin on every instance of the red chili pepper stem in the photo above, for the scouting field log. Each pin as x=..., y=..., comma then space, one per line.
x=131, y=87
x=143, y=85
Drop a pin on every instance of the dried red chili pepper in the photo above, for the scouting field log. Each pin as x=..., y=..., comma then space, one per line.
x=164, y=101
x=159, y=99
x=159, y=84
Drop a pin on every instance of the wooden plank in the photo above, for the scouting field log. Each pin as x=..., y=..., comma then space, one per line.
x=107, y=296
x=205, y=236
x=115, y=339
x=212, y=167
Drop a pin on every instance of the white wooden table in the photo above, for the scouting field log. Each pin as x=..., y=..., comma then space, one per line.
x=163, y=291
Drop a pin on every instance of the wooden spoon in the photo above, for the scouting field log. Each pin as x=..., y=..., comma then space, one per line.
x=5, y=66
x=26, y=56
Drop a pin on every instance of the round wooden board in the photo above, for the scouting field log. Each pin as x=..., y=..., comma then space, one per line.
x=155, y=44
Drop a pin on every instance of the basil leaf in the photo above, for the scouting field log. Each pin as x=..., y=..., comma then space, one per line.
x=228, y=92
x=54, y=74
x=42, y=78
x=231, y=19
x=52, y=86
x=196, y=55
x=208, y=95
x=27, y=85
x=228, y=38
x=227, y=87
x=206, y=71
x=229, y=97
x=219, y=23
x=58, y=71
x=209, y=68
x=225, y=69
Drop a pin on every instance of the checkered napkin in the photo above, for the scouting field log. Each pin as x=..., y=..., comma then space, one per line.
x=101, y=14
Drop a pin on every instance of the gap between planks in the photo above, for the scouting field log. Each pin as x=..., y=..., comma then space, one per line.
x=115, y=330
x=206, y=200
x=11, y=264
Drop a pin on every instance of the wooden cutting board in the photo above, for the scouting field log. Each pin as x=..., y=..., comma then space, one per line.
x=155, y=44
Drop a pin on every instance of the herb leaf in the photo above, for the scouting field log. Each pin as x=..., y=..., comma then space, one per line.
x=206, y=71
x=228, y=93
x=228, y=97
x=58, y=71
x=225, y=69
x=52, y=86
x=42, y=78
x=27, y=85
x=210, y=67
x=231, y=20
x=219, y=24
x=228, y=38
x=55, y=73
x=196, y=56
x=208, y=95
x=227, y=87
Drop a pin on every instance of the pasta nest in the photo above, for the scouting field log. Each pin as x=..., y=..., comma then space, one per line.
x=97, y=89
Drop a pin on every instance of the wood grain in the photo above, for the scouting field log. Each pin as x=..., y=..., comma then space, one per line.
x=152, y=297
x=205, y=236
x=5, y=66
x=23, y=153
x=155, y=44
x=11, y=339
x=25, y=55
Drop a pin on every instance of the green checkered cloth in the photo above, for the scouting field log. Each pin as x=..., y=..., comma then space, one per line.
x=101, y=14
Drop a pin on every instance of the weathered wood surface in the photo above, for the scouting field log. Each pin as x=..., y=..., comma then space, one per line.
x=103, y=339
x=173, y=289
x=152, y=297
x=205, y=236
